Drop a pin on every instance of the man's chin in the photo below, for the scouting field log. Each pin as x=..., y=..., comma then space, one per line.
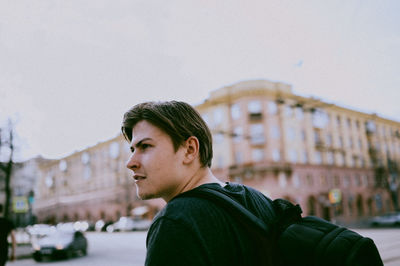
x=143, y=195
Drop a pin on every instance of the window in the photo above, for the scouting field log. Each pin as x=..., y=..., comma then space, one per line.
x=49, y=181
x=370, y=125
x=305, y=157
x=238, y=157
x=113, y=150
x=349, y=123
x=338, y=121
x=310, y=180
x=235, y=111
x=317, y=137
x=87, y=173
x=291, y=133
x=288, y=111
x=329, y=157
x=346, y=181
x=328, y=140
x=220, y=161
x=254, y=107
x=303, y=135
x=272, y=107
x=357, y=180
x=340, y=141
x=63, y=165
x=336, y=181
x=341, y=160
x=365, y=180
x=323, y=181
x=318, y=157
x=282, y=180
x=257, y=134
x=296, y=180
x=275, y=132
x=299, y=113
x=218, y=138
x=218, y=116
x=85, y=158
x=363, y=163
x=276, y=155
x=258, y=155
x=292, y=156
x=255, y=110
x=237, y=134
x=320, y=118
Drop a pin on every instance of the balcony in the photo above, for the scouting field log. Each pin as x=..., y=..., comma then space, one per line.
x=255, y=117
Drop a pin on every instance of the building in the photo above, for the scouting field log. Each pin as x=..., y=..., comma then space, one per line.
x=91, y=184
x=24, y=176
x=337, y=163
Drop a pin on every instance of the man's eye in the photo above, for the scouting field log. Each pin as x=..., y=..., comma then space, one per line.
x=145, y=146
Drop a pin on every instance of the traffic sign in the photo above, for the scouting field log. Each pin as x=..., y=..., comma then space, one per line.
x=20, y=204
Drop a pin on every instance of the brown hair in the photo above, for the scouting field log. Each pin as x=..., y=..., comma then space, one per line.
x=177, y=119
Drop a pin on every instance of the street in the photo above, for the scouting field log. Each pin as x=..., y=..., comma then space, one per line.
x=129, y=249
x=115, y=249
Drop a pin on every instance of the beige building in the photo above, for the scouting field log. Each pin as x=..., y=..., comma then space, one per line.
x=303, y=149
x=91, y=184
x=336, y=162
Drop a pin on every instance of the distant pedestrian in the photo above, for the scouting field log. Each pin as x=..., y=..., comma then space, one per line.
x=6, y=229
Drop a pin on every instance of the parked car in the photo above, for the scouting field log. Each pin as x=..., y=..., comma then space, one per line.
x=59, y=244
x=101, y=225
x=123, y=224
x=39, y=230
x=128, y=224
x=389, y=219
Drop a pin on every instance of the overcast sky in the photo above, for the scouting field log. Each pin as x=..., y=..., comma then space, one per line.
x=70, y=69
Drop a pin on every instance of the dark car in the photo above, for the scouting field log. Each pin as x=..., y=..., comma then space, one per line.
x=389, y=219
x=59, y=244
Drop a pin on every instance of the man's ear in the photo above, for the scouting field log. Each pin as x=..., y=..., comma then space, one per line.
x=192, y=146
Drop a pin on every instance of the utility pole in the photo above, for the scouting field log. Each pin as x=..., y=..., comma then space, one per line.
x=6, y=167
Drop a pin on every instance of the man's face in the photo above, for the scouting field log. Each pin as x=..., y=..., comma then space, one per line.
x=156, y=166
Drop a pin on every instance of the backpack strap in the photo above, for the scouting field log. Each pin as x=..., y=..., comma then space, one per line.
x=287, y=214
x=233, y=207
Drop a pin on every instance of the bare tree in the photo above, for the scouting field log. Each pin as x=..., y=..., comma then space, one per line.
x=6, y=161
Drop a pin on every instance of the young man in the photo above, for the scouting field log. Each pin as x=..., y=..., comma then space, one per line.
x=171, y=155
x=6, y=229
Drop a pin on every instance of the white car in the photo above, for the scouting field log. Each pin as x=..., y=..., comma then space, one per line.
x=389, y=219
x=128, y=224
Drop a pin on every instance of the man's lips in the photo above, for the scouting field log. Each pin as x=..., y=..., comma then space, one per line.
x=138, y=177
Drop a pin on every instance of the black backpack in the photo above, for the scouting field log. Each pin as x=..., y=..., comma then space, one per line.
x=300, y=240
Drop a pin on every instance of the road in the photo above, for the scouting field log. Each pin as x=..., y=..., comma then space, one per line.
x=105, y=249
x=388, y=242
x=121, y=249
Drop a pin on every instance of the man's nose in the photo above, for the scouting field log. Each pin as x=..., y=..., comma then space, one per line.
x=132, y=162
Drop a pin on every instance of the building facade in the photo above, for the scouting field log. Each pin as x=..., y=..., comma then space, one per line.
x=91, y=184
x=337, y=163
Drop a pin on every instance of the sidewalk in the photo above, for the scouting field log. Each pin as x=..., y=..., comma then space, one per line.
x=23, y=251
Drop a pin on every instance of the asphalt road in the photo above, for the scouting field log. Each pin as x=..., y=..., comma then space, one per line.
x=123, y=249
x=105, y=249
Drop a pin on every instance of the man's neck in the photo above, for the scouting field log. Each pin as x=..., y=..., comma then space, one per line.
x=202, y=176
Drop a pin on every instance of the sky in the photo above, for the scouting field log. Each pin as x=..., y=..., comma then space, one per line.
x=70, y=69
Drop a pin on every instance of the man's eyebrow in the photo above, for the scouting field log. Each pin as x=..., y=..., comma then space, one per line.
x=139, y=143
